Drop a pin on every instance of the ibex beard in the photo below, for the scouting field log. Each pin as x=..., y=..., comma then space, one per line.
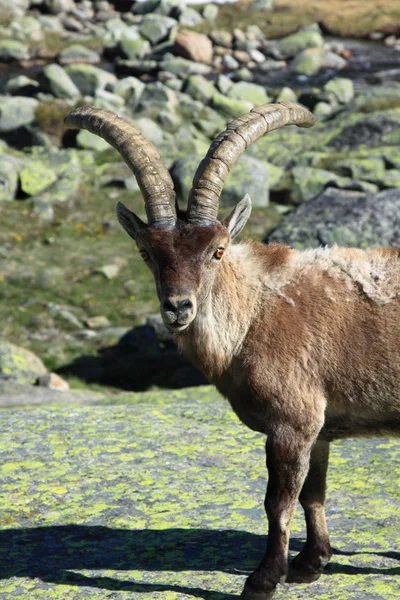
x=305, y=345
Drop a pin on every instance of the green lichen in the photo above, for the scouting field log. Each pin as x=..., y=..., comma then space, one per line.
x=161, y=496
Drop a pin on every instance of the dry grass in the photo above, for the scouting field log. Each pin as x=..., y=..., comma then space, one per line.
x=353, y=18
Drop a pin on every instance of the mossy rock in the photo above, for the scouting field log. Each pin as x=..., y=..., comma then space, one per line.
x=371, y=169
x=250, y=92
x=291, y=45
x=343, y=217
x=35, y=177
x=232, y=107
x=8, y=177
x=19, y=364
x=89, y=78
x=13, y=50
x=16, y=111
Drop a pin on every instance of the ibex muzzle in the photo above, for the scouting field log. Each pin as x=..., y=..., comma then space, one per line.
x=305, y=345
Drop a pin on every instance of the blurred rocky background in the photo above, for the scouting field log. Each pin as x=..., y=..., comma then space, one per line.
x=73, y=289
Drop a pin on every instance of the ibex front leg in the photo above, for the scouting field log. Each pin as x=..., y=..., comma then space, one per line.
x=288, y=455
x=309, y=564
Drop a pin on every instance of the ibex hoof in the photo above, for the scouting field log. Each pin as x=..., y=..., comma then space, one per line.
x=250, y=593
x=301, y=572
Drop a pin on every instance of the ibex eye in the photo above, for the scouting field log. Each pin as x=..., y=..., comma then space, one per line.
x=219, y=253
x=144, y=254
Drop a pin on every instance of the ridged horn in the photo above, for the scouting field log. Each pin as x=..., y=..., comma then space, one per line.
x=228, y=147
x=139, y=154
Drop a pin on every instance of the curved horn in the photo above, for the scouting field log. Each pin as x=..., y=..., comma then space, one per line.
x=139, y=154
x=228, y=147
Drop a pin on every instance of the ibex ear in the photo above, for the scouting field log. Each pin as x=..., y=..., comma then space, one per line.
x=129, y=221
x=238, y=217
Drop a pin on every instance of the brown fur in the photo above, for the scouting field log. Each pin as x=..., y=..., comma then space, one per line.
x=305, y=346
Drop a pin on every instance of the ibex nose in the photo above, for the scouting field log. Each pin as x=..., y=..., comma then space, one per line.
x=177, y=306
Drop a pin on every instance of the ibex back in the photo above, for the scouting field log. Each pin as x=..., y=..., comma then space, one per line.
x=305, y=345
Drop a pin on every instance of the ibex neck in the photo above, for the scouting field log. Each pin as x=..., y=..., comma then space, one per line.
x=224, y=318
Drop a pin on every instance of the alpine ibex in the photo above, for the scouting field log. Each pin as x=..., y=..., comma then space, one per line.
x=305, y=345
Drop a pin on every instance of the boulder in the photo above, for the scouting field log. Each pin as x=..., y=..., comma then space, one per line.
x=89, y=78
x=199, y=88
x=194, y=46
x=76, y=53
x=90, y=141
x=16, y=112
x=8, y=177
x=35, y=177
x=250, y=92
x=210, y=12
x=248, y=176
x=19, y=365
x=343, y=217
x=293, y=44
x=371, y=168
x=130, y=89
x=11, y=50
x=58, y=82
x=134, y=48
x=311, y=61
x=156, y=28
x=21, y=86
x=232, y=107
x=159, y=97
x=189, y=17
x=14, y=8
x=341, y=88
x=59, y=6
x=182, y=66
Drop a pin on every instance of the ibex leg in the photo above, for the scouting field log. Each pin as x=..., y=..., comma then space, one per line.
x=309, y=564
x=288, y=456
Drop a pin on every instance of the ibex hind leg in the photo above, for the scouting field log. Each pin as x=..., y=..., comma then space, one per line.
x=309, y=564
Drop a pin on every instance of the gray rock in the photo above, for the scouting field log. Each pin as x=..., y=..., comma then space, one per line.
x=169, y=121
x=150, y=130
x=210, y=12
x=89, y=78
x=13, y=50
x=291, y=45
x=59, y=83
x=248, y=176
x=200, y=88
x=156, y=28
x=341, y=88
x=18, y=364
x=158, y=96
x=345, y=218
x=286, y=95
x=189, y=17
x=14, y=8
x=221, y=37
x=224, y=84
x=210, y=122
x=26, y=29
x=261, y=4
x=21, y=86
x=16, y=112
x=109, y=101
x=171, y=8
x=8, y=177
x=76, y=53
x=90, y=141
x=132, y=48
x=130, y=89
x=311, y=61
x=229, y=62
x=144, y=8
x=59, y=6
x=182, y=66
x=250, y=92
x=232, y=107
x=50, y=23
x=323, y=110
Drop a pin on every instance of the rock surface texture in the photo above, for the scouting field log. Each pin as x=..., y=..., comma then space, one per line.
x=160, y=496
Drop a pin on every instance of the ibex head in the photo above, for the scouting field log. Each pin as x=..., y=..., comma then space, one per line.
x=184, y=249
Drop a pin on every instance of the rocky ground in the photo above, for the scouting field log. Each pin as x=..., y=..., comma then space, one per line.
x=112, y=501
x=70, y=283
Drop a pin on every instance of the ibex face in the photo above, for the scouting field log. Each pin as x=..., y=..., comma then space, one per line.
x=184, y=261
